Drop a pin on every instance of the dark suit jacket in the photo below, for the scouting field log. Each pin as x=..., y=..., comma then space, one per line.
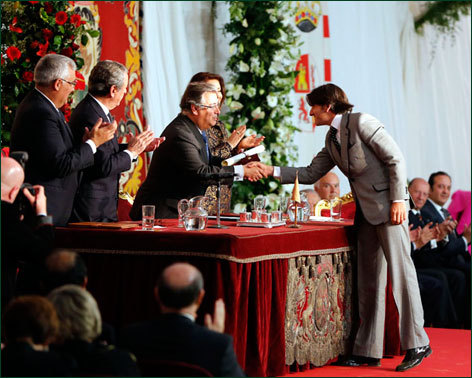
x=41, y=130
x=97, y=197
x=456, y=244
x=176, y=170
x=22, y=242
x=21, y=360
x=177, y=338
x=95, y=359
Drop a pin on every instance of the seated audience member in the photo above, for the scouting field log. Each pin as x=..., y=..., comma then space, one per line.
x=426, y=253
x=460, y=210
x=40, y=129
x=328, y=186
x=436, y=297
x=30, y=324
x=97, y=197
x=21, y=242
x=175, y=336
x=79, y=325
x=182, y=166
x=63, y=267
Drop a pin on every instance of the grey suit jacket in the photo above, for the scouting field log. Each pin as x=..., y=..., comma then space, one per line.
x=370, y=159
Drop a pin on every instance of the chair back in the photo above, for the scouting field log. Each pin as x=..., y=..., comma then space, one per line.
x=166, y=368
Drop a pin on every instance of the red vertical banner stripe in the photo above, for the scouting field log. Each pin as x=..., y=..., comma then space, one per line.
x=327, y=70
x=325, y=26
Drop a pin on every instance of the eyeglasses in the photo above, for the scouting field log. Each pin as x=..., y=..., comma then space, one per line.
x=73, y=83
x=212, y=106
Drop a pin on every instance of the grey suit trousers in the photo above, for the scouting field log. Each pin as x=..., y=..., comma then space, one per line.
x=375, y=246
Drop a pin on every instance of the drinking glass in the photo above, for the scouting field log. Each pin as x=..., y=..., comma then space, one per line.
x=259, y=205
x=283, y=203
x=148, y=217
x=182, y=207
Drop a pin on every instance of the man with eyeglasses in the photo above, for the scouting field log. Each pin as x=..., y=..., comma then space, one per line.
x=182, y=166
x=41, y=130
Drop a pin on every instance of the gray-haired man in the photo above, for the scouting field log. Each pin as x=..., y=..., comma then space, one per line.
x=40, y=129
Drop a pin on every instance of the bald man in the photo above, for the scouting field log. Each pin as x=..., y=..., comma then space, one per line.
x=175, y=336
x=20, y=241
x=328, y=186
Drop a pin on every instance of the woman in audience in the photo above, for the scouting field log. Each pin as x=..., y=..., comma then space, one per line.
x=460, y=210
x=80, y=324
x=221, y=144
x=30, y=325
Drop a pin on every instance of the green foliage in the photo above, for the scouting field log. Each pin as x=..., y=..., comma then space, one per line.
x=443, y=15
x=262, y=66
x=30, y=30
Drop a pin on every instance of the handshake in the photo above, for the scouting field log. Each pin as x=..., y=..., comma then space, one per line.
x=256, y=170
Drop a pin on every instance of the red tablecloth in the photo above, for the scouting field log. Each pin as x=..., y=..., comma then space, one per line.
x=245, y=266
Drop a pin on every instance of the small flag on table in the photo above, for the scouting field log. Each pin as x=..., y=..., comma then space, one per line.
x=296, y=190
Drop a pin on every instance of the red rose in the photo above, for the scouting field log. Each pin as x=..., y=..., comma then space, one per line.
x=48, y=7
x=80, y=81
x=47, y=34
x=75, y=46
x=61, y=18
x=33, y=2
x=34, y=44
x=13, y=26
x=75, y=19
x=13, y=53
x=67, y=52
x=43, y=48
x=28, y=76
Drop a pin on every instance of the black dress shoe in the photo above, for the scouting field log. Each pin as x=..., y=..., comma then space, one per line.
x=414, y=357
x=358, y=361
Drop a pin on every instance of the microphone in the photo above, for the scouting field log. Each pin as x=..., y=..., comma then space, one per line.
x=217, y=175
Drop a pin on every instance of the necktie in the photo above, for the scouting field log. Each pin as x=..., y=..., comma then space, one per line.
x=445, y=212
x=205, y=139
x=110, y=117
x=334, y=139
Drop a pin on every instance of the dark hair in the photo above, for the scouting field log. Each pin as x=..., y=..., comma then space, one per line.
x=193, y=94
x=330, y=94
x=179, y=297
x=432, y=177
x=63, y=267
x=104, y=75
x=30, y=316
x=205, y=76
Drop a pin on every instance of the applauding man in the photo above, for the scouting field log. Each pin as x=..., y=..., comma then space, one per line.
x=40, y=129
x=97, y=198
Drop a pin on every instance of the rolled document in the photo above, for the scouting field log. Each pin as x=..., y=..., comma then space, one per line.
x=234, y=159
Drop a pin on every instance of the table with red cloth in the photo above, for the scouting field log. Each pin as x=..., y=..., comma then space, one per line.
x=287, y=290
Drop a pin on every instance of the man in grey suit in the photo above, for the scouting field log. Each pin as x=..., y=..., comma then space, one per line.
x=359, y=145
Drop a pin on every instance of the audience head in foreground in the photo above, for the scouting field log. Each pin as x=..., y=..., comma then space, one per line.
x=175, y=335
x=12, y=178
x=30, y=325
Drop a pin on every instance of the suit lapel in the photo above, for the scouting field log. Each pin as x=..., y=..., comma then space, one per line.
x=344, y=134
x=100, y=113
x=199, y=138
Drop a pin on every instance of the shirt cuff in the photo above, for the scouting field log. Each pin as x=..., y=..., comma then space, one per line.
x=239, y=171
x=398, y=201
x=414, y=246
x=434, y=244
x=465, y=242
x=131, y=155
x=277, y=174
x=92, y=145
